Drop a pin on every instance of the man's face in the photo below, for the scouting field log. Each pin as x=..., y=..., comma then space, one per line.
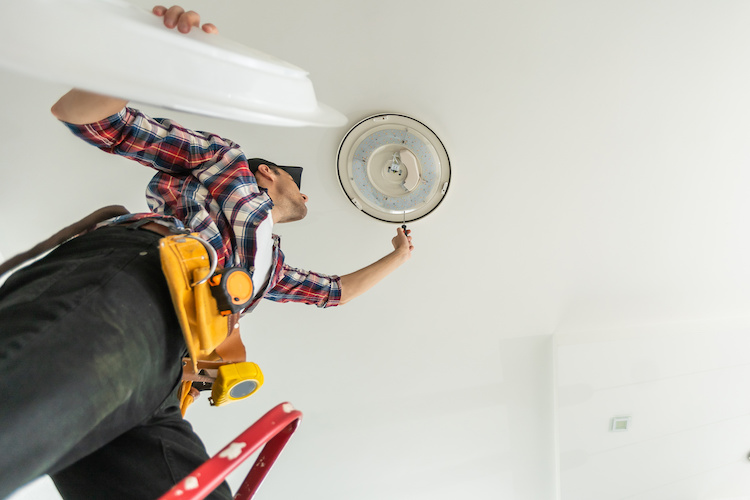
x=289, y=197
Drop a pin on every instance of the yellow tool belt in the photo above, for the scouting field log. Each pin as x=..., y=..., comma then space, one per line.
x=208, y=304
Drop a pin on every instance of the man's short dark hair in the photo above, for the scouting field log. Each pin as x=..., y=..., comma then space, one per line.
x=295, y=172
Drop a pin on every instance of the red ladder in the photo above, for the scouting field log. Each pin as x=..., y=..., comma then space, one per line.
x=272, y=429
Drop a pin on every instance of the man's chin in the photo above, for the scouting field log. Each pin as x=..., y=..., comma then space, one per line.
x=298, y=215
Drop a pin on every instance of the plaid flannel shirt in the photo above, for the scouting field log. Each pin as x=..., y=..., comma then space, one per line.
x=203, y=183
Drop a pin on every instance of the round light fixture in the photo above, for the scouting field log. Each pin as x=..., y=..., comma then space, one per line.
x=58, y=46
x=393, y=168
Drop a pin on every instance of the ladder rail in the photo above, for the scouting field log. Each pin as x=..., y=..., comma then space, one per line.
x=272, y=430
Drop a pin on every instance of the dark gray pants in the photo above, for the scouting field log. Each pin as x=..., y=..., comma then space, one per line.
x=90, y=359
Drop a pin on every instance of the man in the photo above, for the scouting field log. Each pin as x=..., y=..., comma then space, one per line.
x=90, y=347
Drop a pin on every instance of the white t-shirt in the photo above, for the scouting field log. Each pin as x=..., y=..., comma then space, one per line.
x=263, y=255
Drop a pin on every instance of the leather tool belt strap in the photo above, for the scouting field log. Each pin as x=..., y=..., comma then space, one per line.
x=64, y=235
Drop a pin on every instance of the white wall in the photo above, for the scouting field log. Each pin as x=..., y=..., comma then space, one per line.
x=684, y=384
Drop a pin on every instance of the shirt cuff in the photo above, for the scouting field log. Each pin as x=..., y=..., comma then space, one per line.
x=334, y=296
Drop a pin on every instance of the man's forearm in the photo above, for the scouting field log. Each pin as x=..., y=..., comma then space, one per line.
x=81, y=107
x=355, y=284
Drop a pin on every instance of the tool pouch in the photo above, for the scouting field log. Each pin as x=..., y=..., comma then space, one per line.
x=186, y=264
x=210, y=327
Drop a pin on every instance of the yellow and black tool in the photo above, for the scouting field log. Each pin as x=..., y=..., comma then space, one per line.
x=232, y=288
x=234, y=382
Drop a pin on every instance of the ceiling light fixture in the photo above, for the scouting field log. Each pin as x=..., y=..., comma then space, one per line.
x=79, y=43
x=393, y=168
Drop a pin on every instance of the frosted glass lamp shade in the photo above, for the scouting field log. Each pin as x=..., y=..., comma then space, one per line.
x=115, y=48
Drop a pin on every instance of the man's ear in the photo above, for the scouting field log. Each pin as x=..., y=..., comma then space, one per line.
x=264, y=176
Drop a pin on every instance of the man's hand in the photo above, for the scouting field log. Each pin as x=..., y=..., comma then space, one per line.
x=356, y=283
x=81, y=107
x=176, y=17
x=402, y=242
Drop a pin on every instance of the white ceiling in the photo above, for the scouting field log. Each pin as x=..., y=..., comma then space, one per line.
x=599, y=157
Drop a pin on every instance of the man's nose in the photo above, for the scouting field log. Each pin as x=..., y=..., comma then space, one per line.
x=304, y=197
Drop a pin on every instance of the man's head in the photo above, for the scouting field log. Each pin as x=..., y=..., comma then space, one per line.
x=283, y=185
